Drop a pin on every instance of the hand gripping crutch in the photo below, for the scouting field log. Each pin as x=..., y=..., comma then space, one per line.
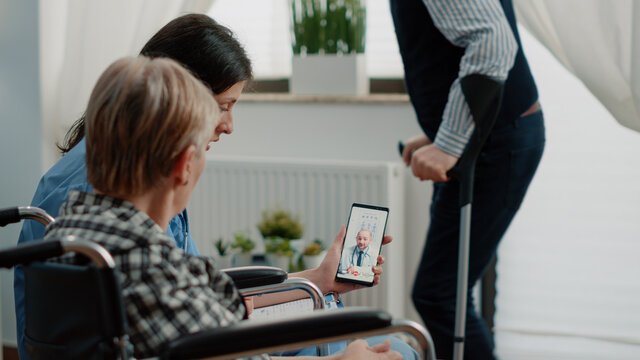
x=484, y=96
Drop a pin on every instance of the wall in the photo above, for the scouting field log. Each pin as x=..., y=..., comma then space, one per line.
x=20, y=126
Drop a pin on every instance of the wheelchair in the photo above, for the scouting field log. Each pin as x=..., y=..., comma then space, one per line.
x=83, y=317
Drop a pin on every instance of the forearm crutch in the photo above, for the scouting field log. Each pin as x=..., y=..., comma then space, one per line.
x=483, y=95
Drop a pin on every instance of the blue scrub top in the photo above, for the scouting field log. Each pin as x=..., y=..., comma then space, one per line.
x=70, y=173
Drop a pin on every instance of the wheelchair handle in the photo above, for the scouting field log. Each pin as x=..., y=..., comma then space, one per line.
x=43, y=250
x=14, y=214
x=33, y=251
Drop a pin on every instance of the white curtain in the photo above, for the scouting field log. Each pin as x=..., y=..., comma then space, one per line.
x=568, y=275
x=79, y=39
x=599, y=42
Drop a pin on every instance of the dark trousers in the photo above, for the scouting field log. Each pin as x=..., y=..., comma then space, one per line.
x=503, y=173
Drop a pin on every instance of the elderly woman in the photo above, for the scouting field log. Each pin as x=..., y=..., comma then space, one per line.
x=210, y=51
x=148, y=126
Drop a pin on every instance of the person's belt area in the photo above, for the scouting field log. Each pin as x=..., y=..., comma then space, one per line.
x=534, y=108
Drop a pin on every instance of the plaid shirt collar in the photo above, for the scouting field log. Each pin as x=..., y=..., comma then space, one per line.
x=117, y=216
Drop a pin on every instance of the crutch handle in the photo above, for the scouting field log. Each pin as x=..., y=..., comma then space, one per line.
x=484, y=96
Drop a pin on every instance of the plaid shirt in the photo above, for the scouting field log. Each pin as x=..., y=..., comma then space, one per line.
x=167, y=292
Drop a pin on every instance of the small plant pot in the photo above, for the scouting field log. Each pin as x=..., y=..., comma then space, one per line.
x=297, y=245
x=223, y=261
x=242, y=259
x=329, y=75
x=313, y=261
x=280, y=261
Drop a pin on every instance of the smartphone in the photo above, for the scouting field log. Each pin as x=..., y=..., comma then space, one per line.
x=362, y=243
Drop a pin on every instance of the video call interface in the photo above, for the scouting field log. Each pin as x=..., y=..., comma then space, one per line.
x=362, y=244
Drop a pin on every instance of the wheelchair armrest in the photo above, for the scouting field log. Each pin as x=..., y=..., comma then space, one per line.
x=33, y=251
x=254, y=337
x=254, y=276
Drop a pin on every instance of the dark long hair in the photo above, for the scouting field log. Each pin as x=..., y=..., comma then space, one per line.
x=209, y=50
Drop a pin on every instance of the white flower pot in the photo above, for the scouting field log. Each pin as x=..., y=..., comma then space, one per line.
x=223, y=261
x=297, y=245
x=280, y=261
x=329, y=74
x=313, y=261
x=242, y=259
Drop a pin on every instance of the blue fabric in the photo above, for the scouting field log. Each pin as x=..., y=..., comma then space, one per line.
x=70, y=173
x=407, y=352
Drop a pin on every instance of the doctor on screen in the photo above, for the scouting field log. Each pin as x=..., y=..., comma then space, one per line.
x=360, y=257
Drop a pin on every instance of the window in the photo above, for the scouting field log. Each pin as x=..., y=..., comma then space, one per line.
x=265, y=33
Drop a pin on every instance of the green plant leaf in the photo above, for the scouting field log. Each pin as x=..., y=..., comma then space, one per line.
x=328, y=26
x=315, y=248
x=243, y=242
x=280, y=223
x=221, y=246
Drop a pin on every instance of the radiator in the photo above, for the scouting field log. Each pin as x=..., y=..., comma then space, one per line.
x=233, y=192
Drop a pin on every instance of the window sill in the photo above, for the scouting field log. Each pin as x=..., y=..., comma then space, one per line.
x=381, y=91
x=290, y=98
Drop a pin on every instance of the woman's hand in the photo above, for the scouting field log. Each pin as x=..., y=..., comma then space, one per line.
x=359, y=349
x=325, y=274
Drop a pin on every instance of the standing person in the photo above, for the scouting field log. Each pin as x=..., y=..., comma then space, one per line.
x=441, y=42
x=208, y=50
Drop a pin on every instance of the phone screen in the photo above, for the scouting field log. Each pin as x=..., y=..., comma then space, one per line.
x=362, y=243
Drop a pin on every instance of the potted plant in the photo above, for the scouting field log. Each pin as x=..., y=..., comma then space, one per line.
x=222, y=253
x=280, y=229
x=313, y=254
x=328, y=40
x=279, y=252
x=281, y=223
x=243, y=245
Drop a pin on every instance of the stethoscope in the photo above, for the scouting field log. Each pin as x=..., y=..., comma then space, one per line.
x=354, y=253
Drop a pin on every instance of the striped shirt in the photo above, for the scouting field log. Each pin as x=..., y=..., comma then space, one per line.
x=481, y=28
x=167, y=292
